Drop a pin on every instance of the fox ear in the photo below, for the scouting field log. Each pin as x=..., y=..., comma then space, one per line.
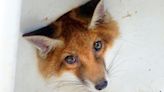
x=100, y=15
x=43, y=44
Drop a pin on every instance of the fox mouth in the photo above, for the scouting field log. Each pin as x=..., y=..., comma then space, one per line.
x=99, y=87
x=70, y=83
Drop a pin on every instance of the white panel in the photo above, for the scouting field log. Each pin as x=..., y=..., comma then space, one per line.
x=9, y=28
x=39, y=13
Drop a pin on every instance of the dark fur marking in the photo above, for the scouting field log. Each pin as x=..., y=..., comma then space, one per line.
x=45, y=31
x=88, y=8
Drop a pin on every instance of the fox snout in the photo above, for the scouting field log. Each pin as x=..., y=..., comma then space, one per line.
x=95, y=73
x=101, y=85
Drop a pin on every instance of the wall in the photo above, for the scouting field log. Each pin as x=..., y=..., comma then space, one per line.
x=138, y=66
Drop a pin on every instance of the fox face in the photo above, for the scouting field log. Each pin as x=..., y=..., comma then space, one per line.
x=77, y=47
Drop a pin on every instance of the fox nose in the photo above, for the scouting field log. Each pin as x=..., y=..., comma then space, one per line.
x=101, y=85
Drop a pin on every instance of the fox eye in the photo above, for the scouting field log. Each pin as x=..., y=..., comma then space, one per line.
x=70, y=59
x=97, y=45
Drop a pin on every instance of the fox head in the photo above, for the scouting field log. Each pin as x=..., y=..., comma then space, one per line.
x=77, y=47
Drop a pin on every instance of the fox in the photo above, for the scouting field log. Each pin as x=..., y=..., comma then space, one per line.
x=71, y=50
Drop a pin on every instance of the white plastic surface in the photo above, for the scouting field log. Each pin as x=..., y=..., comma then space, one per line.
x=39, y=13
x=9, y=29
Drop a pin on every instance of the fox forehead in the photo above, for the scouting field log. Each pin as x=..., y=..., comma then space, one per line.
x=74, y=33
x=80, y=40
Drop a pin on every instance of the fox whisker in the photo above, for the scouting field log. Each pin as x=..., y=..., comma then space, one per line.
x=113, y=60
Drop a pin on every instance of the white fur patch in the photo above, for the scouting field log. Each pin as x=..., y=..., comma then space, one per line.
x=68, y=82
